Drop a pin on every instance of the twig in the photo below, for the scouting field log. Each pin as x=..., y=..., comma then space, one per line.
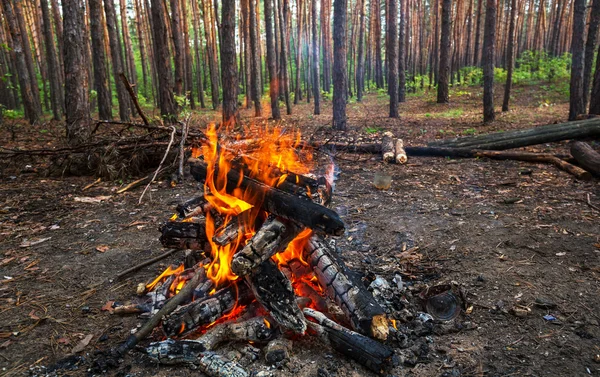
x=134, y=98
x=144, y=264
x=92, y=184
x=169, y=306
x=173, y=130
x=184, y=132
x=589, y=203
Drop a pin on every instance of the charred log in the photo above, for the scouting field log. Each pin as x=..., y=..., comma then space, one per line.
x=374, y=355
x=184, y=235
x=199, y=313
x=360, y=308
x=197, y=205
x=586, y=156
x=229, y=233
x=271, y=238
x=278, y=202
x=274, y=292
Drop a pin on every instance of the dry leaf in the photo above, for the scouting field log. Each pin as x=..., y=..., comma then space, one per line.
x=27, y=243
x=108, y=307
x=33, y=316
x=81, y=345
x=597, y=245
x=102, y=248
x=63, y=341
x=6, y=261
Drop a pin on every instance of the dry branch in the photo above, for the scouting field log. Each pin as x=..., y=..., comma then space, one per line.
x=134, y=98
x=586, y=156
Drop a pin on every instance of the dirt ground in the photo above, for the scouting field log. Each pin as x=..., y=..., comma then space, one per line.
x=507, y=233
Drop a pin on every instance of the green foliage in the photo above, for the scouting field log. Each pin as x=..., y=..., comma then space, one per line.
x=372, y=130
x=469, y=131
x=327, y=96
x=13, y=114
x=454, y=113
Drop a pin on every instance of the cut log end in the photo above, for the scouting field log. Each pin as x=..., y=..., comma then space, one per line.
x=401, y=157
x=387, y=147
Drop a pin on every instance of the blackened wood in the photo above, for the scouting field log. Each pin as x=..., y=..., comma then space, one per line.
x=586, y=156
x=362, y=311
x=189, y=207
x=179, y=235
x=374, y=355
x=229, y=233
x=273, y=237
x=387, y=146
x=204, y=312
x=278, y=202
x=273, y=290
x=214, y=365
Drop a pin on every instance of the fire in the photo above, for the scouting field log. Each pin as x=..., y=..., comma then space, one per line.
x=166, y=273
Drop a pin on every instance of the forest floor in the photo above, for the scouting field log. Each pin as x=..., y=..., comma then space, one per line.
x=506, y=232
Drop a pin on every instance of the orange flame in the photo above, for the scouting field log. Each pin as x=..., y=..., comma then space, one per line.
x=165, y=274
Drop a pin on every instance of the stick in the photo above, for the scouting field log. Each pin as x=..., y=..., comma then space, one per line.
x=589, y=203
x=183, y=295
x=173, y=130
x=184, y=131
x=92, y=184
x=143, y=264
x=134, y=98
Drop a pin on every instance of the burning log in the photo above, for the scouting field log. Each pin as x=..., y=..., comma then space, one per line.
x=229, y=233
x=387, y=147
x=273, y=290
x=194, y=206
x=271, y=238
x=374, y=355
x=214, y=365
x=278, y=202
x=184, y=235
x=204, y=312
x=362, y=311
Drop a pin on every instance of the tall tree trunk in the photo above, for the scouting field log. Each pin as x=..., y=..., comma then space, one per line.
x=510, y=55
x=595, y=96
x=129, y=60
x=189, y=74
x=378, y=59
x=326, y=43
x=469, y=22
x=360, y=71
x=115, y=53
x=478, y=32
x=247, y=56
x=197, y=53
x=76, y=79
x=488, y=60
x=392, y=55
x=178, y=49
x=139, y=26
x=299, y=16
x=284, y=54
x=576, y=87
x=162, y=59
x=590, y=46
x=56, y=93
x=339, y=64
x=402, y=54
x=254, y=58
x=272, y=60
x=315, y=62
x=58, y=27
x=211, y=49
x=33, y=109
x=99, y=60
x=442, y=90
x=228, y=63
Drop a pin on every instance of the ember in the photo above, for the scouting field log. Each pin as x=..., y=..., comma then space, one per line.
x=261, y=223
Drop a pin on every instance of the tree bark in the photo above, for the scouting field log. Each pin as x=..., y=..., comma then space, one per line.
x=442, y=90
x=128, y=47
x=188, y=86
x=162, y=59
x=27, y=52
x=254, y=58
x=284, y=54
x=228, y=63
x=590, y=46
x=595, y=96
x=299, y=19
x=33, y=109
x=489, y=42
x=315, y=63
x=402, y=54
x=77, y=103
x=392, y=55
x=377, y=41
x=576, y=86
x=339, y=64
x=99, y=60
x=178, y=52
x=272, y=60
x=198, y=54
x=478, y=32
x=510, y=55
x=56, y=93
x=586, y=156
x=116, y=59
x=326, y=43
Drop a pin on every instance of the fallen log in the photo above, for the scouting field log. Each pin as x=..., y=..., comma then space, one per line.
x=523, y=138
x=363, y=313
x=203, y=312
x=401, y=157
x=272, y=237
x=586, y=156
x=372, y=354
x=387, y=147
x=278, y=202
x=273, y=290
x=375, y=148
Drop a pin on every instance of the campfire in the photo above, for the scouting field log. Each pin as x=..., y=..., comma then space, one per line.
x=260, y=259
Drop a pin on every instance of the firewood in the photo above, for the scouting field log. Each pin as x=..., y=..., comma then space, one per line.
x=275, y=293
x=132, y=309
x=203, y=312
x=278, y=202
x=191, y=206
x=372, y=354
x=400, y=152
x=387, y=147
x=229, y=233
x=272, y=237
x=586, y=156
x=362, y=311
x=214, y=365
x=184, y=235
x=278, y=350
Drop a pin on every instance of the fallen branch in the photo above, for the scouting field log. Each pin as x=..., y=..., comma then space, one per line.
x=146, y=263
x=134, y=98
x=161, y=163
x=586, y=156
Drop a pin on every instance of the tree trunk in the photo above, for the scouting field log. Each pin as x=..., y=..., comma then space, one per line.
x=77, y=103
x=211, y=49
x=115, y=53
x=392, y=55
x=139, y=25
x=254, y=58
x=487, y=59
x=326, y=43
x=478, y=32
x=339, y=64
x=189, y=74
x=442, y=90
x=299, y=16
x=586, y=156
x=162, y=59
x=99, y=60
x=272, y=60
x=576, y=87
x=315, y=45
x=18, y=11
x=128, y=47
x=402, y=54
x=178, y=49
x=360, y=70
x=284, y=54
x=228, y=63
x=197, y=53
x=32, y=107
x=510, y=55
x=56, y=93
x=590, y=46
x=595, y=96
x=58, y=26
x=377, y=42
